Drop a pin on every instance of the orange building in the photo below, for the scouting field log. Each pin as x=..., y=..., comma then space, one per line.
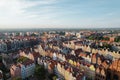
x=113, y=73
x=112, y=39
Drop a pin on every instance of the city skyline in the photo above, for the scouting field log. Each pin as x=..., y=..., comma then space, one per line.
x=59, y=14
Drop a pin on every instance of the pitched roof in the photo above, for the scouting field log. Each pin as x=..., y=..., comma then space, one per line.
x=36, y=54
x=27, y=62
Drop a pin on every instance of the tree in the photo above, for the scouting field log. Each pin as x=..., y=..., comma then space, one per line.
x=54, y=77
x=17, y=78
x=40, y=72
x=22, y=59
x=117, y=39
x=106, y=38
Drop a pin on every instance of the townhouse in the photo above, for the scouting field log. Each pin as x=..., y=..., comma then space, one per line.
x=30, y=53
x=23, y=69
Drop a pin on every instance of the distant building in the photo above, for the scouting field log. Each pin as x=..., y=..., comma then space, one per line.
x=79, y=35
x=112, y=39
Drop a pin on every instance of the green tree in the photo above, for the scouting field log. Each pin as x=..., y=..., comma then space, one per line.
x=117, y=39
x=54, y=77
x=17, y=78
x=106, y=38
x=40, y=72
x=22, y=59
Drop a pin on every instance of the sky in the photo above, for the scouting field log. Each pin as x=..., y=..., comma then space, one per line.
x=59, y=14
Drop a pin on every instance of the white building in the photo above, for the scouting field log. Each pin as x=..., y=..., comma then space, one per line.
x=54, y=56
x=25, y=69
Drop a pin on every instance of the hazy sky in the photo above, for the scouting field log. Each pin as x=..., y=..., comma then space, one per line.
x=59, y=13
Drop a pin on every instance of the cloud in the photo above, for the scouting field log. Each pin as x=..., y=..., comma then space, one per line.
x=26, y=12
x=19, y=7
x=58, y=12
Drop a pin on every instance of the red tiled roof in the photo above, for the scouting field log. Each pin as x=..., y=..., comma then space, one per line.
x=82, y=54
x=27, y=62
x=115, y=65
x=78, y=50
x=36, y=54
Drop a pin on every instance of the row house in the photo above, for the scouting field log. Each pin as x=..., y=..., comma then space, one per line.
x=30, y=55
x=49, y=64
x=80, y=53
x=113, y=72
x=86, y=56
x=36, y=48
x=78, y=46
x=69, y=44
x=83, y=61
x=79, y=35
x=41, y=60
x=27, y=69
x=61, y=56
x=69, y=73
x=15, y=70
x=86, y=48
x=3, y=47
x=45, y=61
x=84, y=44
x=73, y=44
x=23, y=70
x=97, y=59
x=90, y=70
x=100, y=74
x=65, y=50
x=51, y=53
x=116, y=47
x=55, y=55
x=13, y=44
x=84, y=66
x=104, y=52
x=101, y=70
x=41, y=50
